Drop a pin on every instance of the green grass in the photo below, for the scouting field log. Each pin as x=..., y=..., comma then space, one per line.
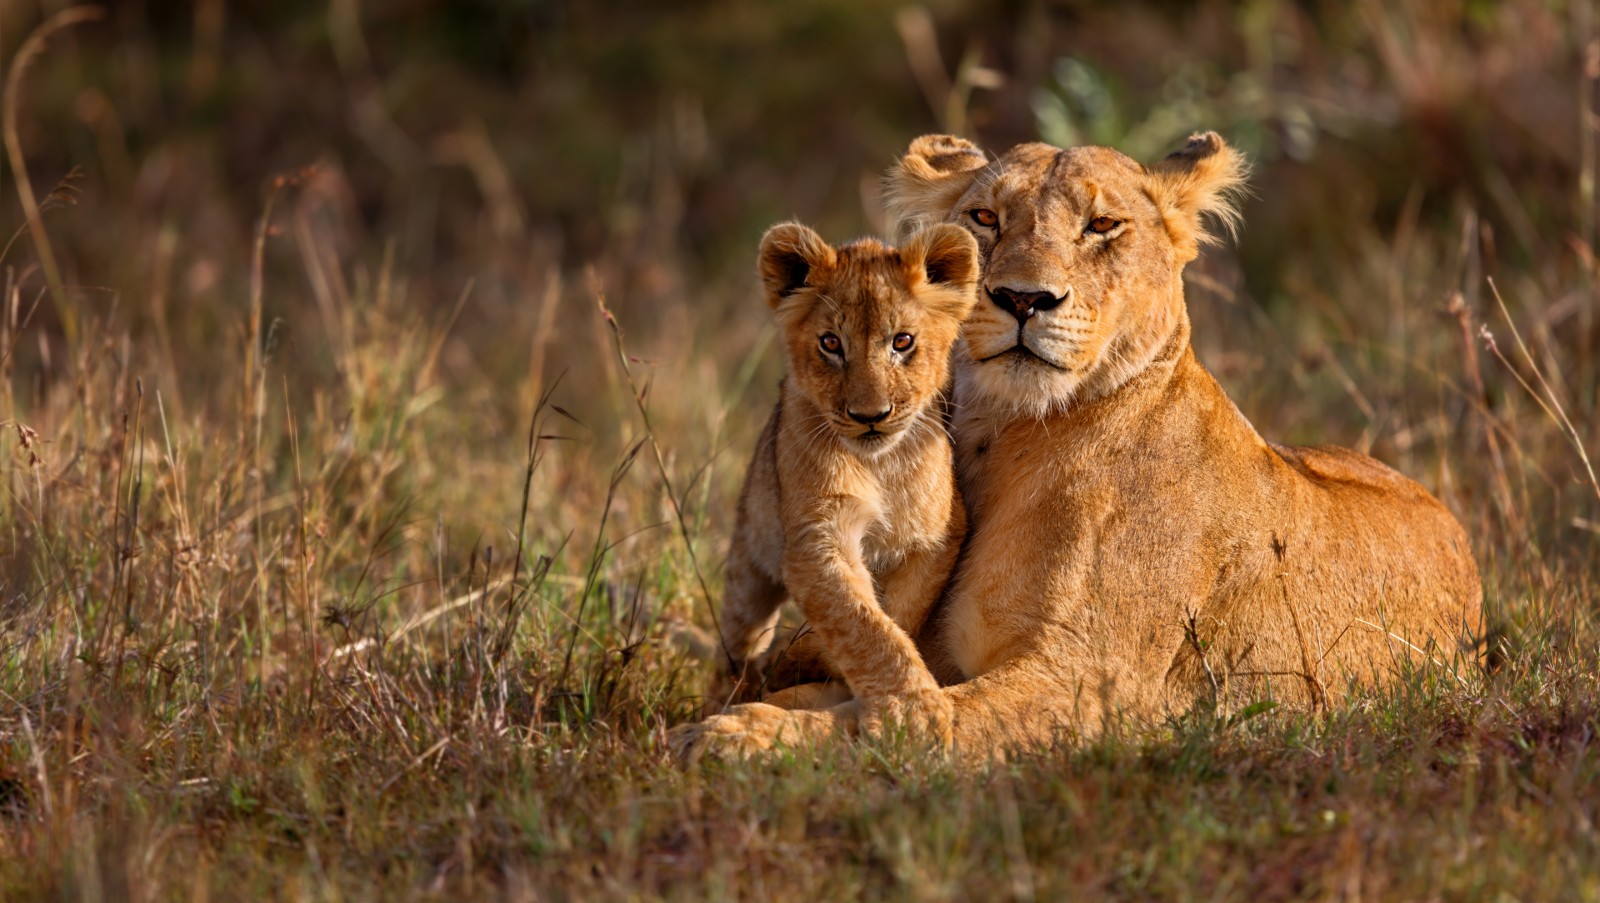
x=291, y=607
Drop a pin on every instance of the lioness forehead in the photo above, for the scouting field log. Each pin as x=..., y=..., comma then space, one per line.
x=1032, y=172
x=1046, y=160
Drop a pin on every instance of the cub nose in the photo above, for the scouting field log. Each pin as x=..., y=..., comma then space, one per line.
x=1023, y=305
x=859, y=417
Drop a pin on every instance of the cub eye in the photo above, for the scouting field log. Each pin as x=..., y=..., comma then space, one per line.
x=985, y=218
x=903, y=342
x=831, y=344
x=1100, y=225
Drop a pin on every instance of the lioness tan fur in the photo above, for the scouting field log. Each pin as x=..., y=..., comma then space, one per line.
x=1135, y=545
x=850, y=499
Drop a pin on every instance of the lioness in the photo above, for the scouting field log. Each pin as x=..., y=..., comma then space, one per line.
x=1136, y=546
x=850, y=497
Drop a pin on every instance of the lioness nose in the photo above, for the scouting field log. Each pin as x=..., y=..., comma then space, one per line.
x=859, y=417
x=1024, y=305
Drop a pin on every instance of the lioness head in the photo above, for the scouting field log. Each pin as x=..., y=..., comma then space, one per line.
x=867, y=328
x=1083, y=254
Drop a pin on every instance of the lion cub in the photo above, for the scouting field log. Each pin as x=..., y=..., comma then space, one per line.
x=850, y=505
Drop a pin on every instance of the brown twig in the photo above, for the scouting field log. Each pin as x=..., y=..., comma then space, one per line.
x=1553, y=407
x=661, y=467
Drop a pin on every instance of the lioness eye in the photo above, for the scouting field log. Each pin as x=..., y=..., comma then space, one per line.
x=903, y=342
x=985, y=218
x=831, y=343
x=1100, y=225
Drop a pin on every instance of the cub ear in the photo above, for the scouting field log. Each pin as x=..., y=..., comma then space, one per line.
x=1205, y=176
x=790, y=255
x=926, y=183
x=943, y=262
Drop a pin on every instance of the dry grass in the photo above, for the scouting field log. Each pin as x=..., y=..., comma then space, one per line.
x=332, y=571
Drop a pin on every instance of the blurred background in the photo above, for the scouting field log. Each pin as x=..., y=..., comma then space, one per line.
x=478, y=173
x=488, y=141
x=377, y=378
x=502, y=142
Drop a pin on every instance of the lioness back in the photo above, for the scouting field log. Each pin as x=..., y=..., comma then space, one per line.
x=851, y=494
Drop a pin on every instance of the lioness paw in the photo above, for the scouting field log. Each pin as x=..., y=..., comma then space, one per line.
x=738, y=733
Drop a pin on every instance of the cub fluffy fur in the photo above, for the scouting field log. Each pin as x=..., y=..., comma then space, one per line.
x=850, y=505
x=1136, y=546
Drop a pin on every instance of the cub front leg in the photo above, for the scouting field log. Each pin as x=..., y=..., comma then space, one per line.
x=909, y=594
x=874, y=655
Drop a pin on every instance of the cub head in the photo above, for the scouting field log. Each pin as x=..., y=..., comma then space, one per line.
x=1083, y=253
x=867, y=328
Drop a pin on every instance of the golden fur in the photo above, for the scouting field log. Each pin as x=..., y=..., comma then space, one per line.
x=850, y=497
x=1136, y=546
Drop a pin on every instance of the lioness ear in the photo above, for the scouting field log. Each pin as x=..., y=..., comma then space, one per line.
x=926, y=183
x=943, y=262
x=1205, y=176
x=790, y=254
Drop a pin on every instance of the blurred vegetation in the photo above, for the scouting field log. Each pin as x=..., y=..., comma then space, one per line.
x=708, y=119
x=498, y=143
x=338, y=556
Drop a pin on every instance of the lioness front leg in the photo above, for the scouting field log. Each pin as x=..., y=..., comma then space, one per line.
x=746, y=730
x=819, y=695
x=1030, y=701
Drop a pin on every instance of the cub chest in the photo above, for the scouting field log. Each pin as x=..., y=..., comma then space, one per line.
x=911, y=514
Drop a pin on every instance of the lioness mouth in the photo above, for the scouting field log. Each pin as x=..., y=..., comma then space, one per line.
x=1024, y=351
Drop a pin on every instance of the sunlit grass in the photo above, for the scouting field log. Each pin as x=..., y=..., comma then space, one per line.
x=329, y=573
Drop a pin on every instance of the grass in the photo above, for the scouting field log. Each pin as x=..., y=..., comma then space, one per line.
x=328, y=571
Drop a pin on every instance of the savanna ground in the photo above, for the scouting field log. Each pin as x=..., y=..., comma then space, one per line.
x=350, y=548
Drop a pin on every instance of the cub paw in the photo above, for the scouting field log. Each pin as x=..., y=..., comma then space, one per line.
x=920, y=716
